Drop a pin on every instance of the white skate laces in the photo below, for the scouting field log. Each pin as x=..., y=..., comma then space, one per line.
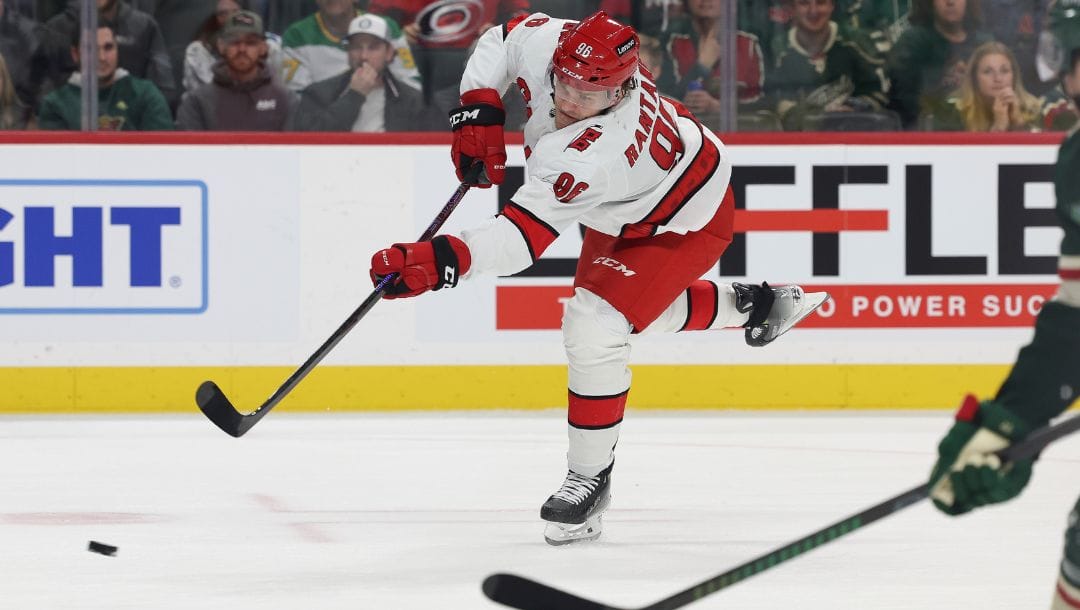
x=576, y=488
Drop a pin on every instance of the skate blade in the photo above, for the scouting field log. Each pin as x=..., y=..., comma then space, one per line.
x=559, y=534
x=811, y=302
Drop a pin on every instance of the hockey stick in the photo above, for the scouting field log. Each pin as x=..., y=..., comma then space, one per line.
x=525, y=594
x=216, y=406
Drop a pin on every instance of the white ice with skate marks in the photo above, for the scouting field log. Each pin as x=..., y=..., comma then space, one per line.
x=411, y=512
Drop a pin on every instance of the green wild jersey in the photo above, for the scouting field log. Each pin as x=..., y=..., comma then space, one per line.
x=313, y=53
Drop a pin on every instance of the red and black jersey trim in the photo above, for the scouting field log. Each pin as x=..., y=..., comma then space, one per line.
x=509, y=25
x=538, y=234
x=702, y=299
x=704, y=164
x=595, y=412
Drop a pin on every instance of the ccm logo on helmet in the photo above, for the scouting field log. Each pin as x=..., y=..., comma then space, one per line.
x=614, y=264
x=464, y=115
x=625, y=47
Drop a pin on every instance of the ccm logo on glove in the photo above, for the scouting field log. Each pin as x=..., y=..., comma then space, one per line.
x=478, y=137
x=421, y=266
x=464, y=115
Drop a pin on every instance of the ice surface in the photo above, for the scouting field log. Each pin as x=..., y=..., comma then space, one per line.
x=405, y=512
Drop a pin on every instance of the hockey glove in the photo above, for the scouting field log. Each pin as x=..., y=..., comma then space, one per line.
x=421, y=266
x=967, y=474
x=478, y=136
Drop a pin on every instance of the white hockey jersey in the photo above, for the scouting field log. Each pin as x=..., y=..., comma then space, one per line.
x=643, y=167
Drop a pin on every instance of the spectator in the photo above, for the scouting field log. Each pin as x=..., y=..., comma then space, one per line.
x=1056, y=40
x=178, y=20
x=651, y=54
x=992, y=96
x=202, y=53
x=823, y=69
x=1059, y=112
x=19, y=48
x=141, y=45
x=1058, y=43
x=243, y=95
x=442, y=38
x=929, y=61
x=13, y=113
x=650, y=17
x=366, y=97
x=694, y=57
x=125, y=102
x=879, y=21
x=313, y=49
x=1015, y=23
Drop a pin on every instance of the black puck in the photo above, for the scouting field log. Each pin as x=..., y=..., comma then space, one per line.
x=104, y=549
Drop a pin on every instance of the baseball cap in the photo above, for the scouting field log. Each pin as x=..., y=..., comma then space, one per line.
x=1057, y=41
x=370, y=24
x=241, y=23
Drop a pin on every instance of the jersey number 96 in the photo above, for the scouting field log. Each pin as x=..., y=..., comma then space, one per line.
x=566, y=187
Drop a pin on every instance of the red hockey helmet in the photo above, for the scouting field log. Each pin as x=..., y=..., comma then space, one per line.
x=597, y=53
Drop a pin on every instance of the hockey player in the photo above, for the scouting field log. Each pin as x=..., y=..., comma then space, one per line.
x=1042, y=383
x=602, y=148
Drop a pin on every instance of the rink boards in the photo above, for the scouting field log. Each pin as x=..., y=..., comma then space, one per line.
x=133, y=268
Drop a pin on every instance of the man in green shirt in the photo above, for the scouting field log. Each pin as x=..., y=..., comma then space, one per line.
x=1041, y=385
x=822, y=68
x=881, y=21
x=314, y=50
x=125, y=102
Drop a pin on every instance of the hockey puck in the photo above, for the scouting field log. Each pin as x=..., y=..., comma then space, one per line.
x=104, y=549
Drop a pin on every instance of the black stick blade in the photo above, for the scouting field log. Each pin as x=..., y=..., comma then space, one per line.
x=524, y=594
x=214, y=405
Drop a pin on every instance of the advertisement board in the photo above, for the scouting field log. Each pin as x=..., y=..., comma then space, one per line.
x=132, y=269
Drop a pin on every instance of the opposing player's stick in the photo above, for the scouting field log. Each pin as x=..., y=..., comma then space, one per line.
x=526, y=594
x=216, y=406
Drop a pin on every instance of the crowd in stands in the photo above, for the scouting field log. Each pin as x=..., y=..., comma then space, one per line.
x=394, y=65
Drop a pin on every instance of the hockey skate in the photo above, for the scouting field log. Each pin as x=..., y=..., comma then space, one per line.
x=781, y=309
x=574, y=512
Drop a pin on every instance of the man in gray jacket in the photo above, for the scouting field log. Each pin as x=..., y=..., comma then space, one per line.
x=366, y=97
x=243, y=95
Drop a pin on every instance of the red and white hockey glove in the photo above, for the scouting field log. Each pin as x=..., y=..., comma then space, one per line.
x=478, y=136
x=421, y=266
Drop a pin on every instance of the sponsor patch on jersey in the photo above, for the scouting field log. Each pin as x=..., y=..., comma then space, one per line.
x=625, y=47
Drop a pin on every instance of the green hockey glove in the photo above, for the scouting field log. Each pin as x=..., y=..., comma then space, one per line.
x=967, y=474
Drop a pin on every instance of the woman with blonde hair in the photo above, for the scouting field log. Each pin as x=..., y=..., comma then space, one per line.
x=13, y=114
x=992, y=96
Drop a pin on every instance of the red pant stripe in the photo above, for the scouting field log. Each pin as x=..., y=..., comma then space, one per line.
x=595, y=411
x=1069, y=274
x=701, y=305
x=1068, y=599
x=538, y=234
